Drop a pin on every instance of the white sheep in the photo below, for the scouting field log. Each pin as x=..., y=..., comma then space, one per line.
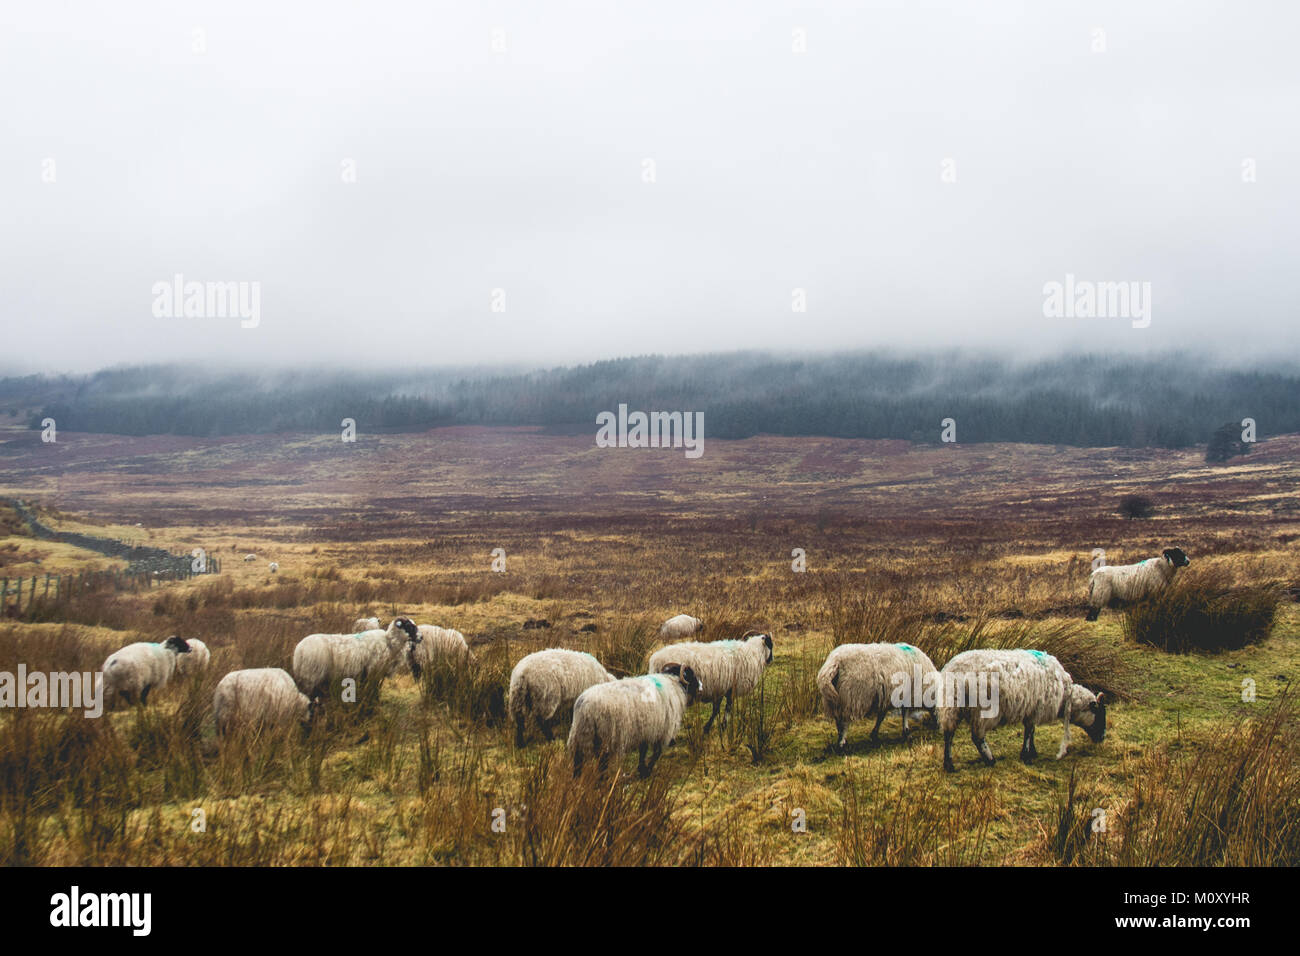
x=683, y=625
x=859, y=680
x=195, y=661
x=437, y=644
x=1121, y=583
x=990, y=688
x=263, y=695
x=365, y=624
x=727, y=669
x=609, y=719
x=274, y=566
x=545, y=684
x=321, y=658
x=138, y=668
x=250, y=557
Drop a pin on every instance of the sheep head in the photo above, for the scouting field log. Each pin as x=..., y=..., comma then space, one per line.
x=177, y=645
x=1089, y=712
x=690, y=682
x=1177, y=558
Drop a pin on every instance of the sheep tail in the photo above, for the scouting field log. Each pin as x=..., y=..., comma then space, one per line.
x=831, y=686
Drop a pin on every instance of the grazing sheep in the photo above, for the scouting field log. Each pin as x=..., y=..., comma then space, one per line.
x=859, y=680
x=546, y=683
x=321, y=658
x=274, y=566
x=609, y=719
x=250, y=557
x=1113, y=585
x=138, y=668
x=366, y=624
x=437, y=644
x=195, y=661
x=991, y=688
x=683, y=625
x=726, y=668
x=263, y=695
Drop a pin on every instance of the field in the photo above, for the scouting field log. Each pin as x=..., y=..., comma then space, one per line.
x=944, y=546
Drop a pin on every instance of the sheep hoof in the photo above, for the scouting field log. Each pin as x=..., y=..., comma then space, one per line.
x=875, y=740
x=948, y=766
x=1026, y=756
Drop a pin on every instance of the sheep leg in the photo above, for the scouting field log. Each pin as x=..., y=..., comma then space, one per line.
x=713, y=716
x=519, y=730
x=907, y=730
x=547, y=730
x=1033, y=750
x=843, y=731
x=641, y=769
x=577, y=761
x=144, y=695
x=1027, y=742
x=727, y=713
x=1065, y=740
x=654, y=756
x=947, y=752
x=875, y=733
x=982, y=745
x=1093, y=613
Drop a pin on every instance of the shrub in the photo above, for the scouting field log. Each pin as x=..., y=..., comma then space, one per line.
x=1136, y=506
x=1203, y=612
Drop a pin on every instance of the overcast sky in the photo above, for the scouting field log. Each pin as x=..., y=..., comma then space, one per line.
x=213, y=140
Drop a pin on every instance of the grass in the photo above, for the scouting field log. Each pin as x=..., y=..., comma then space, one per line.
x=945, y=551
x=1205, y=611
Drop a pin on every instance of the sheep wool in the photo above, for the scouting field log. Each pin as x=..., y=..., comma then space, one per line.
x=609, y=719
x=1117, y=584
x=437, y=644
x=990, y=688
x=195, y=661
x=727, y=669
x=545, y=684
x=365, y=624
x=138, y=668
x=321, y=658
x=263, y=695
x=860, y=680
x=683, y=625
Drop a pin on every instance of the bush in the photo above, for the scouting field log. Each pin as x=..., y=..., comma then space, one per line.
x=1203, y=612
x=1136, y=506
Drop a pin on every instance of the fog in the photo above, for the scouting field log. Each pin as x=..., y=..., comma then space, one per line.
x=920, y=171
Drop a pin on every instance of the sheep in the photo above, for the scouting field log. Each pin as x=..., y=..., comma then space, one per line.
x=727, y=668
x=250, y=557
x=1112, y=585
x=366, y=624
x=263, y=695
x=195, y=661
x=321, y=658
x=990, y=688
x=611, y=718
x=683, y=625
x=437, y=644
x=546, y=683
x=138, y=668
x=274, y=566
x=859, y=680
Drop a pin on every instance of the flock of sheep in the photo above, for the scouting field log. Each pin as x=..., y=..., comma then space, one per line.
x=611, y=716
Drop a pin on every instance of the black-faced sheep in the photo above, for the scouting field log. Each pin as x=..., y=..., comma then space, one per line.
x=545, y=684
x=728, y=669
x=1124, y=583
x=257, y=697
x=859, y=680
x=990, y=688
x=321, y=658
x=138, y=668
x=610, y=719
